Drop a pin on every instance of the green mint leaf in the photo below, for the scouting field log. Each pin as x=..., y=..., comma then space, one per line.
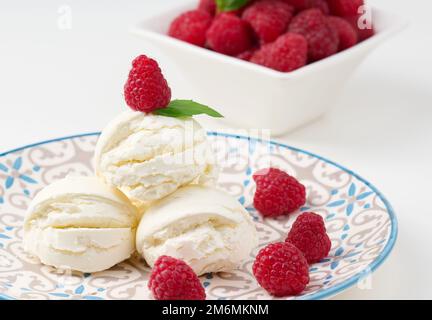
x=186, y=108
x=230, y=5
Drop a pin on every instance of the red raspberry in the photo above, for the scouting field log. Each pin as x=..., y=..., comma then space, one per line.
x=229, y=35
x=191, y=27
x=364, y=28
x=173, y=279
x=237, y=12
x=287, y=53
x=322, y=39
x=345, y=7
x=281, y=269
x=247, y=55
x=300, y=5
x=320, y=4
x=146, y=88
x=277, y=193
x=308, y=233
x=347, y=35
x=208, y=6
x=269, y=19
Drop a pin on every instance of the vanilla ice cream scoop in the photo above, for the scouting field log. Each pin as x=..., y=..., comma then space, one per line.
x=80, y=224
x=205, y=227
x=148, y=156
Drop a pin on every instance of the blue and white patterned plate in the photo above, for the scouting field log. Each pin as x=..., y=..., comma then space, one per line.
x=360, y=221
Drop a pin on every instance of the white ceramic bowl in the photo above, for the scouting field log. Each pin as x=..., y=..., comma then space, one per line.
x=255, y=97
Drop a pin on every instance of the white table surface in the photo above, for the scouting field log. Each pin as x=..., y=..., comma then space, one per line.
x=56, y=82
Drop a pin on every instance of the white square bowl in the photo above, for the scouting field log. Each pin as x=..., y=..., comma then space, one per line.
x=255, y=97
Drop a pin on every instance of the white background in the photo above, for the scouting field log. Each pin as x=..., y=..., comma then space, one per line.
x=56, y=82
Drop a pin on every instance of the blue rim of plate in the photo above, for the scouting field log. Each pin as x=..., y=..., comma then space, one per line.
x=327, y=293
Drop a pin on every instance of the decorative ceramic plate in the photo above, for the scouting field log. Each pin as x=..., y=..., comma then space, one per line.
x=360, y=221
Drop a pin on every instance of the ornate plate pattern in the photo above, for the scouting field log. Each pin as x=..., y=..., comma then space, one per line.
x=359, y=220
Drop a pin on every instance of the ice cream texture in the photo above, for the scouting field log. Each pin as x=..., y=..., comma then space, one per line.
x=149, y=156
x=204, y=226
x=80, y=223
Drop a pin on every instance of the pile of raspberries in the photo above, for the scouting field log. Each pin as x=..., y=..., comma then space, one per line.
x=281, y=268
x=283, y=35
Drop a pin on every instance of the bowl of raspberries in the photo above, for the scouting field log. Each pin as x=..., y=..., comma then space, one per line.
x=268, y=64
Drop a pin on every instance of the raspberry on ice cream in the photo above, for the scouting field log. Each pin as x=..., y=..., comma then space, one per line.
x=173, y=279
x=308, y=233
x=269, y=19
x=347, y=35
x=146, y=88
x=281, y=269
x=277, y=193
x=229, y=35
x=191, y=27
x=287, y=53
x=322, y=39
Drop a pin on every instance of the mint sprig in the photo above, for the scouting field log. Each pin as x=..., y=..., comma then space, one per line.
x=186, y=108
x=230, y=5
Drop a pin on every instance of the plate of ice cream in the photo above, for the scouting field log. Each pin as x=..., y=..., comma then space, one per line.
x=155, y=207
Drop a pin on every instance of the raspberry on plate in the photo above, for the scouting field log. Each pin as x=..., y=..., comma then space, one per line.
x=364, y=28
x=146, y=88
x=191, y=27
x=173, y=279
x=208, y=6
x=323, y=40
x=347, y=35
x=229, y=35
x=287, y=53
x=345, y=7
x=269, y=19
x=308, y=234
x=300, y=5
x=281, y=269
x=277, y=193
